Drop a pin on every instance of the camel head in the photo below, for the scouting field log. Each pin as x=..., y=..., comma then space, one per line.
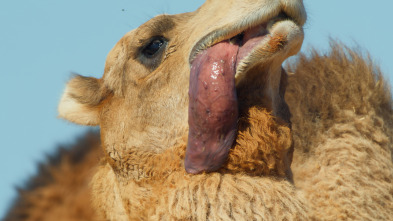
x=191, y=82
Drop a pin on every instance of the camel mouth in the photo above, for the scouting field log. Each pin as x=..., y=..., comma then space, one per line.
x=251, y=40
x=215, y=72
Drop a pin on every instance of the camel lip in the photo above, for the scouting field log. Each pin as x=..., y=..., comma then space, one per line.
x=261, y=30
x=223, y=34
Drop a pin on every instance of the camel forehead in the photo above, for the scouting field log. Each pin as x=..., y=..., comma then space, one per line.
x=159, y=25
x=137, y=37
x=130, y=44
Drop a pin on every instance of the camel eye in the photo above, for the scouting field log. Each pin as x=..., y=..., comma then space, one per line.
x=151, y=53
x=154, y=47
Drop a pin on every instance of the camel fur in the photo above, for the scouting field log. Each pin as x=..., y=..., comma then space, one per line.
x=323, y=153
x=342, y=125
x=60, y=191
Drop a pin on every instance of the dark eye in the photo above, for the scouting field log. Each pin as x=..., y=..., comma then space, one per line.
x=153, y=47
x=152, y=53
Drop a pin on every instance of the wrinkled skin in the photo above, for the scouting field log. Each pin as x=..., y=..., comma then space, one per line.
x=142, y=102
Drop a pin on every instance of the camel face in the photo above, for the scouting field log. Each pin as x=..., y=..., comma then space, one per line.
x=160, y=81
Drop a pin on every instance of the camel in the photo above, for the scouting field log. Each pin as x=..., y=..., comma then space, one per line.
x=199, y=121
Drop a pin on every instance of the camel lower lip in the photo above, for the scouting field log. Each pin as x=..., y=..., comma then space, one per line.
x=251, y=38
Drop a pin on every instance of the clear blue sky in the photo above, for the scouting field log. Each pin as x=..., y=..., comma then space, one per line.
x=42, y=42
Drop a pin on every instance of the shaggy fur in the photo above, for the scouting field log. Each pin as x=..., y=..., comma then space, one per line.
x=201, y=197
x=215, y=196
x=60, y=189
x=342, y=126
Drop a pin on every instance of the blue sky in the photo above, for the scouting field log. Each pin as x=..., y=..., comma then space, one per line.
x=43, y=42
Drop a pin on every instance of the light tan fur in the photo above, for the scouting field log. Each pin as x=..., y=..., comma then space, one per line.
x=343, y=126
x=342, y=121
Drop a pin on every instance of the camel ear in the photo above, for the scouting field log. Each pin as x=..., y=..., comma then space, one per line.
x=80, y=101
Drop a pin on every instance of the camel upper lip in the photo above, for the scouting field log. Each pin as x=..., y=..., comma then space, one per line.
x=251, y=41
x=231, y=34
